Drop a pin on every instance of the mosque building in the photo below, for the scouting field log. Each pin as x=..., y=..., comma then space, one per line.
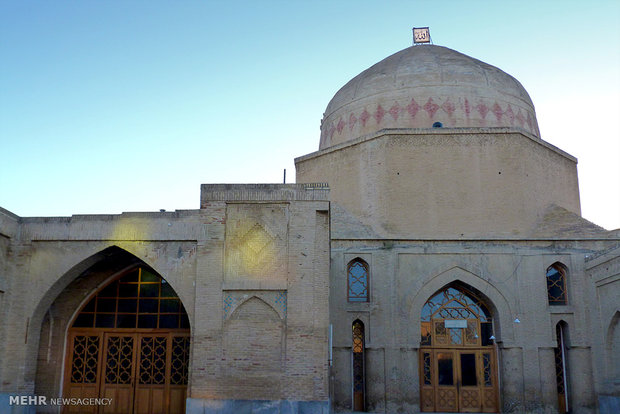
x=431, y=257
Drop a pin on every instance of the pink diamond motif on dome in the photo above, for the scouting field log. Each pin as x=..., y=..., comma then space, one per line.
x=520, y=118
x=413, y=108
x=395, y=111
x=352, y=121
x=379, y=114
x=364, y=117
x=510, y=115
x=431, y=107
x=340, y=126
x=529, y=121
x=448, y=107
x=483, y=110
x=467, y=108
x=497, y=110
x=331, y=131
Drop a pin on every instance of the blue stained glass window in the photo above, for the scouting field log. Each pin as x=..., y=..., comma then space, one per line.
x=556, y=285
x=357, y=281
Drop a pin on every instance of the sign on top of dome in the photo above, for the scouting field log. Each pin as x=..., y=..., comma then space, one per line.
x=421, y=35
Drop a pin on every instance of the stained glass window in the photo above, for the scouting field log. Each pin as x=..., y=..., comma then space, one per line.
x=556, y=285
x=357, y=281
x=358, y=366
x=139, y=299
x=455, y=316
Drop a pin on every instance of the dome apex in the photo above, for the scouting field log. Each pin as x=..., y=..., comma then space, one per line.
x=421, y=86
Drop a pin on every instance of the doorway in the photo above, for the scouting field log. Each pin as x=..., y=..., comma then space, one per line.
x=458, y=371
x=129, y=343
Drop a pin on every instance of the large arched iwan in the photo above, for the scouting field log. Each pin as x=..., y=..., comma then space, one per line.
x=130, y=343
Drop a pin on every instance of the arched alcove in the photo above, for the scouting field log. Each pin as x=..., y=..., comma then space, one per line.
x=86, y=292
x=612, y=348
x=458, y=370
x=253, y=338
x=497, y=302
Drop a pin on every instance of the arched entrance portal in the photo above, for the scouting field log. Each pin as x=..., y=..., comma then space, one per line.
x=130, y=343
x=458, y=370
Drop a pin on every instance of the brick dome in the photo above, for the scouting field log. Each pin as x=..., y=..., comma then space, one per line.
x=422, y=86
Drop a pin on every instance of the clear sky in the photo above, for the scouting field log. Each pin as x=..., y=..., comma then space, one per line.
x=112, y=106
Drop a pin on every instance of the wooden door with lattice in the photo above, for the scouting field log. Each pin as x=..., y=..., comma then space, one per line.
x=139, y=372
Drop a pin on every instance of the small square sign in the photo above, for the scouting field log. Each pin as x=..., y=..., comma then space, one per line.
x=421, y=35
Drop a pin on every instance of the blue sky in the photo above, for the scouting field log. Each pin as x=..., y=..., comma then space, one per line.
x=119, y=106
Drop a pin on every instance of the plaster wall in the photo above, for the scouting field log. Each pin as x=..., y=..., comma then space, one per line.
x=446, y=183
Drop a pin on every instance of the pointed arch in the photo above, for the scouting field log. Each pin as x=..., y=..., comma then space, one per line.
x=557, y=292
x=62, y=301
x=136, y=298
x=612, y=346
x=358, y=365
x=457, y=368
x=358, y=280
x=496, y=301
x=253, y=338
x=252, y=302
x=238, y=304
x=460, y=303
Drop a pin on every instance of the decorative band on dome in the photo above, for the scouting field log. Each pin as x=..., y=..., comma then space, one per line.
x=458, y=112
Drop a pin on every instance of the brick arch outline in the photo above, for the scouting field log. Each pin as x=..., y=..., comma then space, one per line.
x=496, y=301
x=277, y=326
x=238, y=305
x=612, y=359
x=64, y=280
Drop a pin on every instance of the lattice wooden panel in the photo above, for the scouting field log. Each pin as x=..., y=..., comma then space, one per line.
x=180, y=360
x=153, y=360
x=119, y=360
x=84, y=360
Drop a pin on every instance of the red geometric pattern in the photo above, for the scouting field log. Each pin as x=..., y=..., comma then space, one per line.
x=510, y=115
x=483, y=110
x=379, y=114
x=431, y=107
x=364, y=117
x=520, y=118
x=395, y=111
x=413, y=108
x=353, y=121
x=340, y=126
x=497, y=110
x=449, y=106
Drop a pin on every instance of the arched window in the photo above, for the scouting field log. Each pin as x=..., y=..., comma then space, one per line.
x=556, y=284
x=441, y=313
x=357, y=281
x=139, y=299
x=359, y=374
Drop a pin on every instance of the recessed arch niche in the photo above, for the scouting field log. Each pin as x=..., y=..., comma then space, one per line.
x=74, y=354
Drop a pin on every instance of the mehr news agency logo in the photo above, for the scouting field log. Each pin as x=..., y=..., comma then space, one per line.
x=42, y=400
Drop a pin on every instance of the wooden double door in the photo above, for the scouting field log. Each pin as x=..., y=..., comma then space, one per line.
x=139, y=371
x=458, y=380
